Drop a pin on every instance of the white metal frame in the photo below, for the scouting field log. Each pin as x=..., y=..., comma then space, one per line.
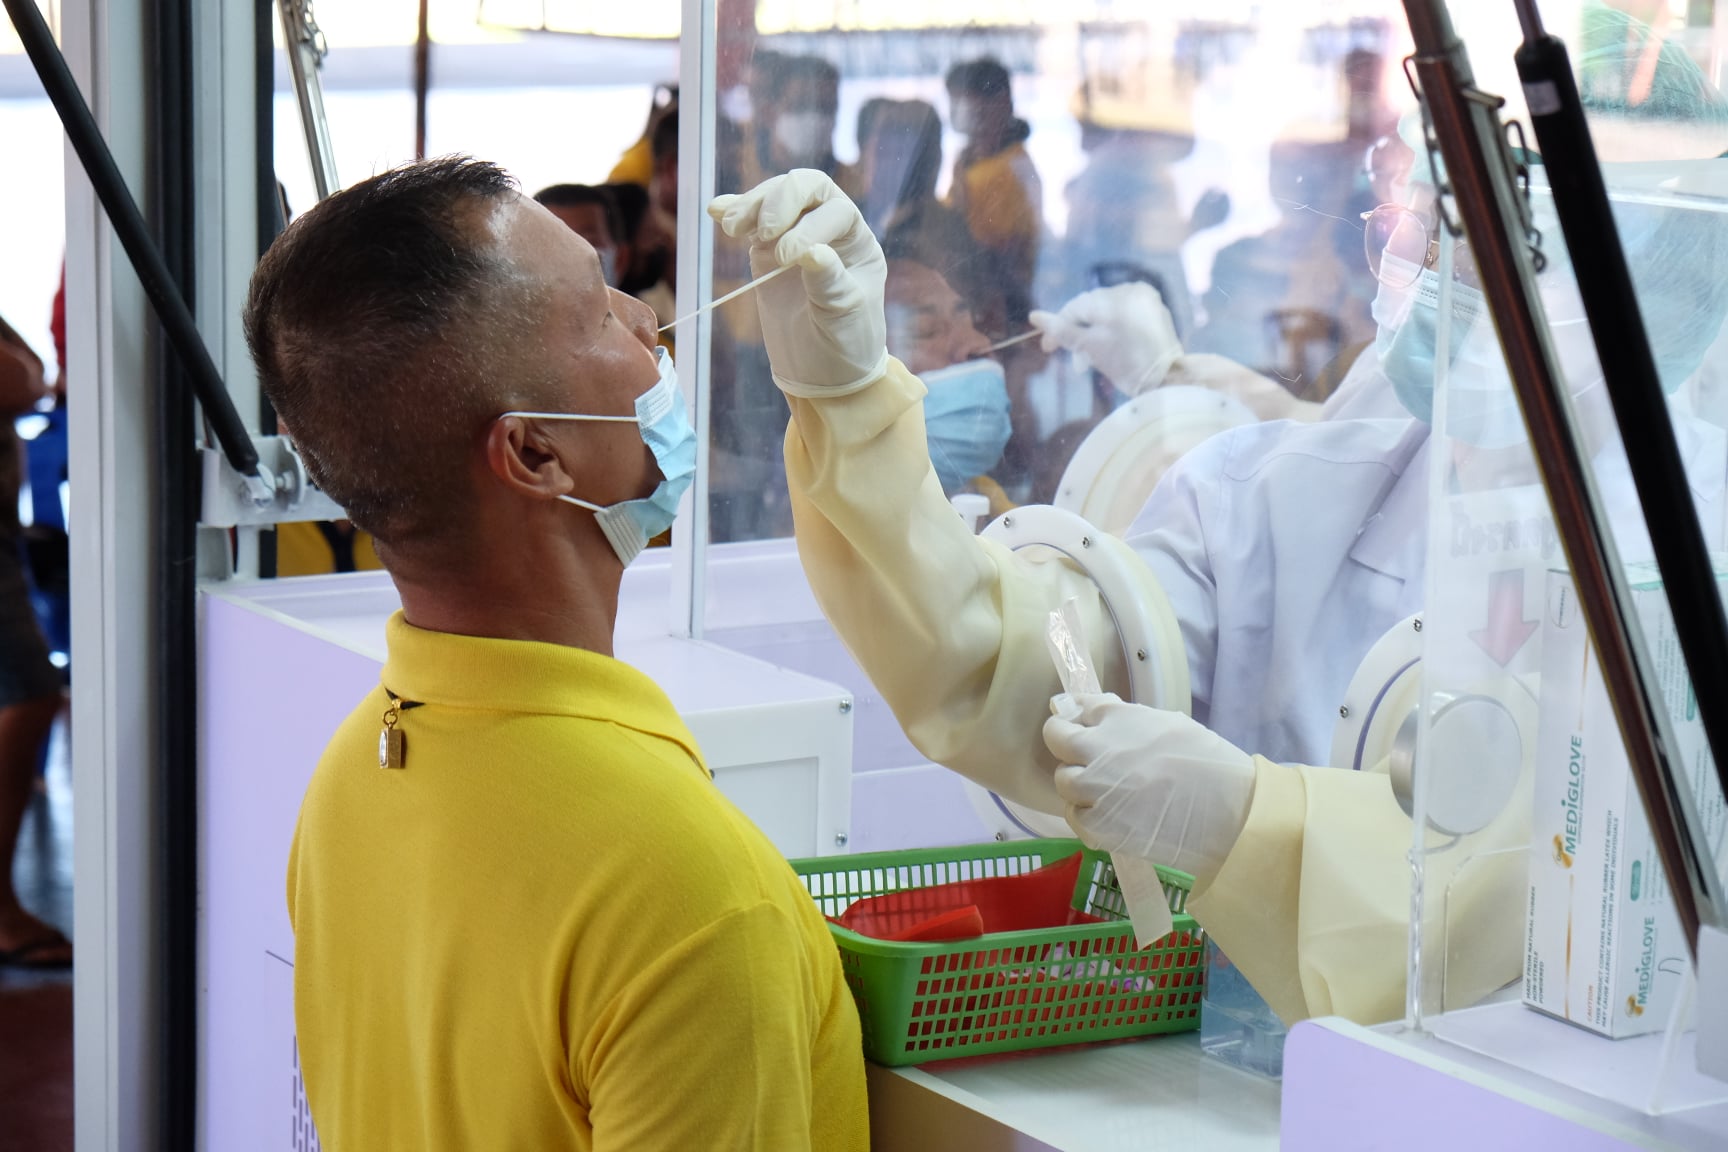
x=112, y=473
x=695, y=285
x=115, y=463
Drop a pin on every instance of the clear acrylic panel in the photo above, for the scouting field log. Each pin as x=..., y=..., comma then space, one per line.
x=1359, y=552
x=1218, y=156
x=1537, y=864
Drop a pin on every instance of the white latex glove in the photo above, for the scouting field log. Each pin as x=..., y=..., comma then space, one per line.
x=1149, y=783
x=1124, y=330
x=825, y=329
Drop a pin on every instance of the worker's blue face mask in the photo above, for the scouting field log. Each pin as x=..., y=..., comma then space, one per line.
x=966, y=420
x=1409, y=335
x=664, y=422
x=1483, y=410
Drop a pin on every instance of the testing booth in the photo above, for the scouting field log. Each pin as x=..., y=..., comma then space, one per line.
x=1469, y=569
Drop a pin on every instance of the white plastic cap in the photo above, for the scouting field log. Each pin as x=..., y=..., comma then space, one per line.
x=973, y=509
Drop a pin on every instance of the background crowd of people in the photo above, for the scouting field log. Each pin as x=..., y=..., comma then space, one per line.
x=1269, y=274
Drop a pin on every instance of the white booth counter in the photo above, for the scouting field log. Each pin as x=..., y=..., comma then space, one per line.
x=801, y=742
x=1494, y=1077
x=1137, y=1096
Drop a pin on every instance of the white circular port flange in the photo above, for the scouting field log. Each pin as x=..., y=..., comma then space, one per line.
x=1116, y=467
x=1146, y=627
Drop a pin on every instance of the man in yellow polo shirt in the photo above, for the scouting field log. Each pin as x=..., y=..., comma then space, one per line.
x=523, y=916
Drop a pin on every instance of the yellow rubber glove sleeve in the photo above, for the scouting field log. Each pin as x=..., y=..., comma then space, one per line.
x=948, y=626
x=1313, y=902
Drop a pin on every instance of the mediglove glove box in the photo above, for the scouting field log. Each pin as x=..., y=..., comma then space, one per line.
x=1603, y=947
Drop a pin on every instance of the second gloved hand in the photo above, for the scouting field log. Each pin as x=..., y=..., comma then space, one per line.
x=1124, y=330
x=825, y=328
x=1149, y=783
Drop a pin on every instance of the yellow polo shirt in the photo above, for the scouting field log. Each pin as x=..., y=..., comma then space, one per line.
x=548, y=930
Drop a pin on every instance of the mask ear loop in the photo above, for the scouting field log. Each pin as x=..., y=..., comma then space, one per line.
x=572, y=416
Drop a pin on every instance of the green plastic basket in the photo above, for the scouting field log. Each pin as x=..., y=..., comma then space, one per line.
x=1008, y=991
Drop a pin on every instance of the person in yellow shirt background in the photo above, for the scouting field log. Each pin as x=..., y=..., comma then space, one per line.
x=651, y=227
x=636, y=165
x=316, y=547
x=995, y=186
x=523, y=915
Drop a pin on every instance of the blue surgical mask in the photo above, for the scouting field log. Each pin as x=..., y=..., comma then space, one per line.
x=966, y=420
x=1409, y=335
x=1483, y=408
x=664, y=422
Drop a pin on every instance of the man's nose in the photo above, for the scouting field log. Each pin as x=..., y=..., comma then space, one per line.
x=637, y=316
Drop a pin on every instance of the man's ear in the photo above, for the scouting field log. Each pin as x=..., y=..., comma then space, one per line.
x=520, y=453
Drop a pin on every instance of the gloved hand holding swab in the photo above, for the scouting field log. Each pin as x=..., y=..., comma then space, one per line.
x=1142, y=889
x=826, y=332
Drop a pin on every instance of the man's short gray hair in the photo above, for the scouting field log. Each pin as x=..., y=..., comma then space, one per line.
x=388, y=327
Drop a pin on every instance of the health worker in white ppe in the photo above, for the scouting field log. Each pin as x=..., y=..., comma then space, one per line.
x=1285, y=550
x=1127, y=334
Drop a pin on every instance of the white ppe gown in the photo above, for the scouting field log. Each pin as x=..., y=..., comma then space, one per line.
x=1286, y=550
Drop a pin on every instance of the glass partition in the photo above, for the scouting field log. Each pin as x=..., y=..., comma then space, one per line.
x=1197, y=180
x=1202, y=170
x=1301, y=399
x=1537, y=859
x=1220, y=156
x=1505, y=636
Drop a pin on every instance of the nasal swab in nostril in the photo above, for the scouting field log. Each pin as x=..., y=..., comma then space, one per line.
x=732, y=295
x=1013, y=340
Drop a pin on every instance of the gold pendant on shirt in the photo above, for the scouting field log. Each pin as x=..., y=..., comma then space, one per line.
x=392, y=743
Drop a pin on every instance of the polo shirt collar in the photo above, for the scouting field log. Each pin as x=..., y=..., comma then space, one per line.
x=526, y=676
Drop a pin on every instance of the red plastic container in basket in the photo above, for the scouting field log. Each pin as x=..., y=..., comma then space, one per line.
x=966, y=909
x=1008, y=991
